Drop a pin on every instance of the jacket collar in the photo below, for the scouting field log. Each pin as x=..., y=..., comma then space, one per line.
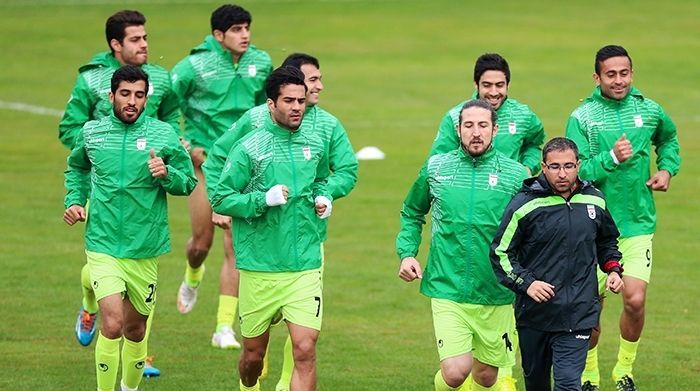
x=116, y=121
x=597, y=95
x=539, y=185
x=275, y=129
x=476, y=161
x=475, y=95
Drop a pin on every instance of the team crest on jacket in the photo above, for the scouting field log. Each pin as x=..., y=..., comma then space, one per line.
x=493, y=180
x=512, y=128
x=591, y=211
x=141, y=144
x=151, y=89
x=638, y=122
x=252, y=70
x=307, y=153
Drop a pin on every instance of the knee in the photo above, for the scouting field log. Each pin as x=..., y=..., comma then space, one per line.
x=199, y=245
x=252, y=358
x=135, y=332
x=635, y=303
x=112, y=327
x=486, y=377
x=305, y=351
x=453, y=375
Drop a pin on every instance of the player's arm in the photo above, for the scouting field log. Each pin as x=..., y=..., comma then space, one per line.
x=323, y=200
x=229, y=198
x=343, y=164
x=593, y=167
x=531, y=151
x=415, y=206
x=260, y=95
x=169, y=109
x=446, y=139
x=182, y=82
x=77, y=113
x=77, y=174
x=607, y=251
x=503, y=254
x=180, y=178
x=665, y=141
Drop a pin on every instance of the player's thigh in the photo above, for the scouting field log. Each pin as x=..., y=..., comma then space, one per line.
x=141, y=283
x=106, y=276
x=259, y=299
x=637, y=256
x=493, y=327
x=200, y=209
x=303, y=299
x=453, y=333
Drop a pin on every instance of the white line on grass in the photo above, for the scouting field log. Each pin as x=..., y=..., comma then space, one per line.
x=27, y=108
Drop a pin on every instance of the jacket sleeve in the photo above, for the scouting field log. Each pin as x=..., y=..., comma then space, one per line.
x=343, y=164
x=181, y=79
x=77, y=174
x=230, y=197
x=504, y=249
x=593, y=167
x=180, y=179
x=261, y=96
x=320, y=185
x=665, y=140
x=607, y=250
x=415, y=207
x=169, y=109
x=78, y=111
x=446, y=139
x=531, y=151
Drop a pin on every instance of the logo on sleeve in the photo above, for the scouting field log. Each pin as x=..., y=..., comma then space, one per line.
x=591, y=211
x=141, y=144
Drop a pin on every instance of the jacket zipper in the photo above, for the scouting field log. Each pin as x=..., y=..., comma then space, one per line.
x=294, y=186
x=468, y=261
x=121, y=193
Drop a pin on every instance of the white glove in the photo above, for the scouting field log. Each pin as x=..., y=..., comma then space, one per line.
x=324, y=201
x=275, y=196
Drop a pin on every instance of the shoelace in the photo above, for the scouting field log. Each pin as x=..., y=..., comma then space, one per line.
x=87, y=321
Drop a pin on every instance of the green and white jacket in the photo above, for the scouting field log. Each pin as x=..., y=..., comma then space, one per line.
x=214, y=92
x=596, y=125
x=128, y=216
x=283, y=238
x=89, y=99
x=520, y=133
x=466, y=197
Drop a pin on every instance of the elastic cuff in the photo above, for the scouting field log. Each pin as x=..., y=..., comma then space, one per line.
x=612, y=265
x=614, y=158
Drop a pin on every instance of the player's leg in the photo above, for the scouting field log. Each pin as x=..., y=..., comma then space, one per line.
x=224, y=337
x=251, y=361
x=568, y=358
x=637, y=263
x=109, y=285
x=506, y=381
x=142, y=282
x=454, y=338
x=493, y=328
x=85, y=325
x=198, y=245
x=536, y=356
x=590, y=378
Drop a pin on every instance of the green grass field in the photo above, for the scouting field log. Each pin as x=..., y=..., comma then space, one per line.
x=391, y=70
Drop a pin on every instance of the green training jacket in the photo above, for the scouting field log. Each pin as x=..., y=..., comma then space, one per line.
x=596, y=125
x=282, y=238
x=341, y=157
x=214, y=92
x=128, y=216
x=520, y=133
x=467, y=197
x=89, y=99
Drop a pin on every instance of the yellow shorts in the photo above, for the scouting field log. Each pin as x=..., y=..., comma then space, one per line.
x=636, y=259
x=486, y=331
x=262, y=295
x=135, y=279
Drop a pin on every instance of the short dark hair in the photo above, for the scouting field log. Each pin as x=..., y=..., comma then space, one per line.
x=479, y=103
x=130, y=73
x=491, y=62
x=559, y=144
x=227, y=15
x=116, y=25
x=610, y=51
x=296, y=60
x=282, y=76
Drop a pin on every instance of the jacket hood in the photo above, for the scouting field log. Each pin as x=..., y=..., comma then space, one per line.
x=102, y=59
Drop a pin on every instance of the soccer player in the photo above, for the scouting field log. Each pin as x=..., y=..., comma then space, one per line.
x=219, y=81
x=520, y=132
x=125, y=163
x=467, y=190
x=341, y=158
x=89, y=100
x=615, y=129
x=520, y=135
x=274, y=185
x=553, y=233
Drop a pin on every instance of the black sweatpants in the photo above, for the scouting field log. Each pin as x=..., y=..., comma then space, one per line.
x=564, y=351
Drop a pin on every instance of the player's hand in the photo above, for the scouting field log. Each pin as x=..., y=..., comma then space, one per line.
x=323, y=207
x=410, y=269
x=74, y=214
x=157, y=166
x=540, y=291
x=221, y=221
x=622, y=149
x=198, y=156
x=277, y=195
x=185, y=144
x=614, y=283
x=660, y=181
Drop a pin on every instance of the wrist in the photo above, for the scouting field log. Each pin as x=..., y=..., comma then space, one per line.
x=614, y=158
